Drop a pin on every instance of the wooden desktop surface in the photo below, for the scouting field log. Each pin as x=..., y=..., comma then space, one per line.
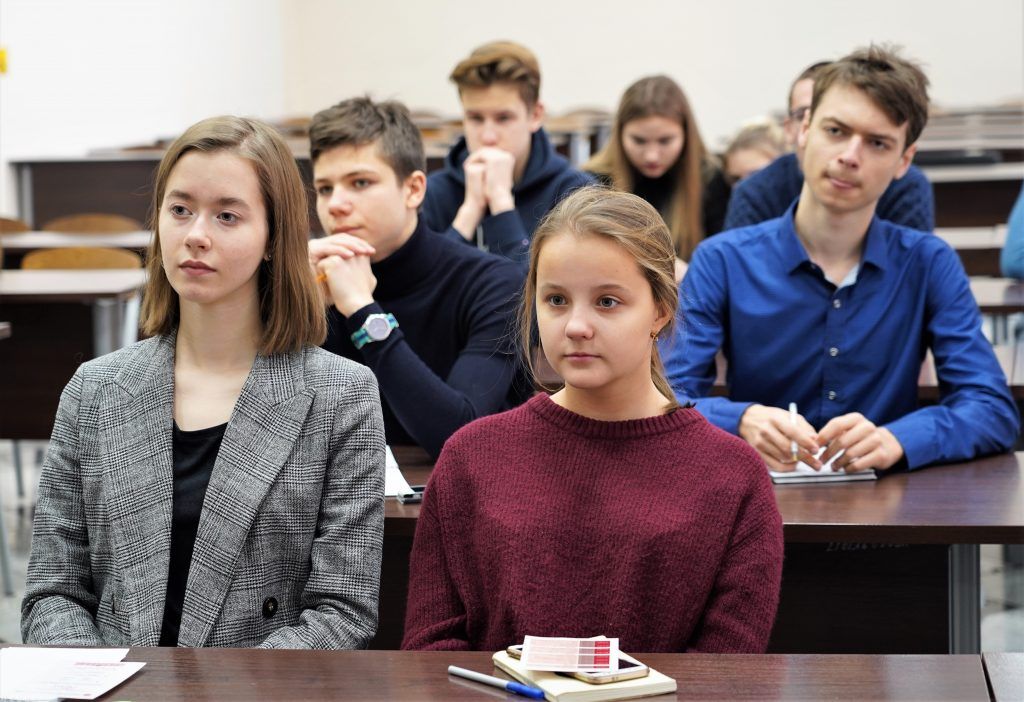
x=69, y=286
x=27, y=241
x=980, y=501
x=1005, y=673
x=395, y=676
x=998, y=295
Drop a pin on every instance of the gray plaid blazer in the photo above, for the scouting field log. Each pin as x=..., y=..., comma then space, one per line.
x=294, y=511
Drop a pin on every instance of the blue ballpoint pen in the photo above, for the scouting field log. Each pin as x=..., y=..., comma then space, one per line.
x=518, y=688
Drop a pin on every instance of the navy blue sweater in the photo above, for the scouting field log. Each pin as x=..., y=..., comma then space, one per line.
x=768, y=193
x=452, y=358
x=547, y=179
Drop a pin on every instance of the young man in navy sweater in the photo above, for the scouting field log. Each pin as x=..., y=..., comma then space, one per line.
x=503, y=176
x=767, y=193
x=430, y=316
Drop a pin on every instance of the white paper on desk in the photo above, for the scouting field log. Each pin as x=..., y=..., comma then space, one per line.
x=566, y=655
x=803, y=470
x=48, y=673
x=394, y=482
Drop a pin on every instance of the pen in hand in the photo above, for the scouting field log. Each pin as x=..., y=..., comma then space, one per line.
x=793, y=448
x=518, y=688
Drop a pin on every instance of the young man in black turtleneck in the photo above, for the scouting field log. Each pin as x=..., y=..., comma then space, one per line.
x=430, y=316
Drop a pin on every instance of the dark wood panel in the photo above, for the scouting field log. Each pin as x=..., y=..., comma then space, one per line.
x=47, y=346
x=974, y=203
x=70, y=187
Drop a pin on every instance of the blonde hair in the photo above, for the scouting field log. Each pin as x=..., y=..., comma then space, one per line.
x=660, y=96
x=291, y=311
x=762, y=135
x=633, y=224
x=500, y=62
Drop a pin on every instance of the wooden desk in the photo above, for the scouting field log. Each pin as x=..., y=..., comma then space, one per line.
x=396, y=676
x=1000, y=296
x=1005, y=674
x=975, y=195
x=979, y=248
x=54, y=337
x=27, y=241
x=953, y=508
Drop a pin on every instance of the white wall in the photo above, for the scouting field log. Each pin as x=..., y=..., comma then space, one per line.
x=92, y=73
x=735, y=58
x=85, y=74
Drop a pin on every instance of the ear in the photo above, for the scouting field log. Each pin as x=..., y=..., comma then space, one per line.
x=415, y=189
x=663, y=318
x=805, y=128
x=905, y=160
x=535, y=116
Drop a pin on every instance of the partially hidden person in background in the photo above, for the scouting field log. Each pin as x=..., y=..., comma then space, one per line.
x=431, y=317
x=504, y=175
x=907, y=201
x=656, y=151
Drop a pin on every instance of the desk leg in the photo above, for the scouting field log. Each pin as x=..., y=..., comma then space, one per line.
x=106, y=326
x=25, y=196
x=579, y=149
x=964, y=598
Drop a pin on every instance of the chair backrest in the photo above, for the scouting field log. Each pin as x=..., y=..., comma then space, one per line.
x=13, y=226
x=82, y=257
x=93, y=223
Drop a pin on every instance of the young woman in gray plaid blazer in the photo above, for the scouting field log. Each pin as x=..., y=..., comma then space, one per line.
x=220, y=483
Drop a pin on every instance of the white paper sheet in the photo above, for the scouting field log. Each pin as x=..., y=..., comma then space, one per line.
x=51, y=673
x=394, y=482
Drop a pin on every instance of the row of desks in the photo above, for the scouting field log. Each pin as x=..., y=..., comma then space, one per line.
x=398, y=676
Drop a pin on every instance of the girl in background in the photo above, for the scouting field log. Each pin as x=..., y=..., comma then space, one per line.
x=656, y=152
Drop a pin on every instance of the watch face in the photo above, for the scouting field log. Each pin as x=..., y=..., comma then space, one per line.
x=378, y=328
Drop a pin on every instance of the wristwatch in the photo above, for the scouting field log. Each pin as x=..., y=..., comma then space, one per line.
x=377, y=327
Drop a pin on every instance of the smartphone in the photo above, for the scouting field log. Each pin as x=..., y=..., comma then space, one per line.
x=629, y=668
x=414, y=497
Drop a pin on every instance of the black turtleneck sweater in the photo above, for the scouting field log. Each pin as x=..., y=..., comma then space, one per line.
x=452, y=357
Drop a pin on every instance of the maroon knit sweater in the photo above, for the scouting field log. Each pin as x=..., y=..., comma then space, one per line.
x=661, y=531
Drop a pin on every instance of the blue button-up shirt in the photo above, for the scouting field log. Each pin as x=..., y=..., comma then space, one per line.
x=790, y=335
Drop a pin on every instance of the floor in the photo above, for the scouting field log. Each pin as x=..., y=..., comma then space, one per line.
x=1002, y=577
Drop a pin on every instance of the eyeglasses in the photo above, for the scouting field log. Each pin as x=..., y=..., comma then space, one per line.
x=797, y=115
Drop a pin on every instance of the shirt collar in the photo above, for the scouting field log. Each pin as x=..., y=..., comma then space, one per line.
x=793, y=253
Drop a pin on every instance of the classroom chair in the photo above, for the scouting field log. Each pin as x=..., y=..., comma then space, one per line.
x=9, y=225
x=80, y=257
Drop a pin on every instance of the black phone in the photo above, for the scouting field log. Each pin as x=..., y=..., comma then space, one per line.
x=414, y=497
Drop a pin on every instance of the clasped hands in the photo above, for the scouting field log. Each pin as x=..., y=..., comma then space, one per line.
x=344, y=261
x=489, y=175
x=772, y=432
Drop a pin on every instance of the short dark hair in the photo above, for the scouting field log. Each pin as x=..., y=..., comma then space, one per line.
x=809, y=72
x=500, y=62
x=361, y=121
x=898, y=86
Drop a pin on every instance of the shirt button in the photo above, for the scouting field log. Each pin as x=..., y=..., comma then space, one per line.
x=837, y=303
x=833, y=352
x=831, y=394
x=269, y=607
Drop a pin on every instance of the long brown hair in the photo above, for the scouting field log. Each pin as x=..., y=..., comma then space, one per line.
x=291, y=311
x=632, y=223
x=660, y=96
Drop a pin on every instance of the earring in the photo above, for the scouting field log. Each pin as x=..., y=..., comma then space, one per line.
x=654, y=334
x=266, y=257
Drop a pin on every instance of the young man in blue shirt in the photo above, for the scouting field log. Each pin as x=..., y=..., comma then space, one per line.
x=429, y=316
x=833, y=308
x=504, y=175
x=769, y=192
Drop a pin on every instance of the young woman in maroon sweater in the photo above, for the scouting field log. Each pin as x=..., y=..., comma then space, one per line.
x=604, y=508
